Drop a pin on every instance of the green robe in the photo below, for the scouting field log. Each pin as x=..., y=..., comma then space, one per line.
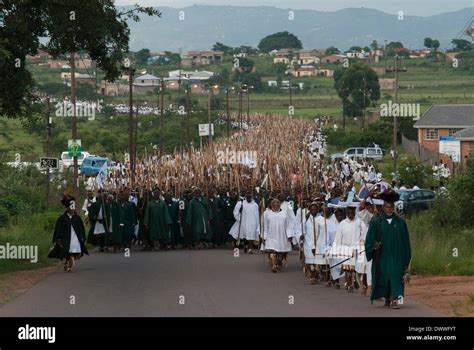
x=123, y=219
x=228, y=213
x=158, y=220
x=389, y=266
x=94, y=210
x=198, y=216
x=173, y=211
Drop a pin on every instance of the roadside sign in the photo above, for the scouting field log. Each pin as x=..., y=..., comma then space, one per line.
x=204, y=129
x=450, y=146
x=74, y=148
x=48, y=163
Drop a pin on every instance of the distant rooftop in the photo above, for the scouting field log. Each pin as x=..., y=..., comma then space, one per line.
x=447, y=116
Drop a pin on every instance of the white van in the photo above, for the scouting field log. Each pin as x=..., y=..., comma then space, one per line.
x=68, y=161
x=374, y=153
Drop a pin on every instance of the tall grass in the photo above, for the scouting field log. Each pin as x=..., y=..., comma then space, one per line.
x=440, y=250
x=29, y=230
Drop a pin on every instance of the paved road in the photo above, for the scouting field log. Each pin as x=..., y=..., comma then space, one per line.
x=210, y=282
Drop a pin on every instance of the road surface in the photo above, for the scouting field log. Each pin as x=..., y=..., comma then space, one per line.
x=191, y=283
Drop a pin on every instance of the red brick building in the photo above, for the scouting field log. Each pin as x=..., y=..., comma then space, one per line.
x=447, y=120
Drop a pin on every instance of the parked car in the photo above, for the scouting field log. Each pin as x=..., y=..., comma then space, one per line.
x=374, y=153
x=92, y=164
x=68, y=161
x=414, y=201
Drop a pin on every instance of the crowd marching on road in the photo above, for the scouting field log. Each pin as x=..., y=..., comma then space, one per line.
x=286, y=196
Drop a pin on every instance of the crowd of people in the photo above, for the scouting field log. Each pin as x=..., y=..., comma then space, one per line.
x=289, y=198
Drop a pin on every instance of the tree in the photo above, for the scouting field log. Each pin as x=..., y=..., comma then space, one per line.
x=142, y=56
x=71, y=26
x=245, y=65
x=374, y=45
x=435, y=44
x=221, y=47
x=332, y=51
x=356, y=48
x=390, y=48
x=279, y=68
x=428, y=43
x=253, y=79
x=461, y=45
x=358, y=87
x=366, y=49
x=279, y=41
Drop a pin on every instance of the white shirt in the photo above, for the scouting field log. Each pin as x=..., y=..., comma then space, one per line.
x=250, y=226
x=277, y=230
x=74, y=245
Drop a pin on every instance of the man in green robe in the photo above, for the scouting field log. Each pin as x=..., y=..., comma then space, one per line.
x=98, y=222
x=229, y=219
x=387, y=245
x=198, y=216
x=173, y=211
x=123, y=219
x=183, y=213
x=158, y=222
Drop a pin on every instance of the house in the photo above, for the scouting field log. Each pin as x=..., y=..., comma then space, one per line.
x=116, y=88
x=206, y=57
x=304, y=71
x=279, y=59
x=466, y=136
x=80, y=78
x=40, y=57
x=272, y=83
x=447, y=120
x=450, y=56
x=326, y=72
x=379, y=70
x=80, y=62
x=193, y=75
x=387, y=84
x=333, y=59
x=186, y=61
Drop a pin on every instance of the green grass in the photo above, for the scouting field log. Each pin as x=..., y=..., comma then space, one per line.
x=29, y=230
x=440, y=251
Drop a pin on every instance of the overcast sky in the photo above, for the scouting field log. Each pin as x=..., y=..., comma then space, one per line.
x=409, y=7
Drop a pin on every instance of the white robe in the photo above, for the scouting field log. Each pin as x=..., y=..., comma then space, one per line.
x=250, y=227
x=277, y=230
x=298, y=224
x=347, y=239
x=288, y=206
x=74, y=245
x=311, y=237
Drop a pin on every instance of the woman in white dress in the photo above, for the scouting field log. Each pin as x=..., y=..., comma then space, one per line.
x=277, y=235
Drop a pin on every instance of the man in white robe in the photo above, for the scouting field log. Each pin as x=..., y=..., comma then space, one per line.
x=310, y=238
x=277, y=235
x=347, y=241
x=363, y=267
x=247, y=224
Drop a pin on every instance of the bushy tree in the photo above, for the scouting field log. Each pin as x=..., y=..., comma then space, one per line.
x=280, y=40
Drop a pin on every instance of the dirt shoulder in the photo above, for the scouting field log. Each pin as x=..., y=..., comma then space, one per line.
x=450, y=295
x=16, y=283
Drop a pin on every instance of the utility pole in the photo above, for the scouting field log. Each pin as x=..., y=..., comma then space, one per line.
x=188, y=115
x=291, y=97
x=240, y=109
x=48, y=152
x=162, y=90
x=130, y=127
x=74, y=128
x=135, y=143
x=209, y=113
x=248, y=107
x=395, y=155
x=228, y=114
x=364, y=103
